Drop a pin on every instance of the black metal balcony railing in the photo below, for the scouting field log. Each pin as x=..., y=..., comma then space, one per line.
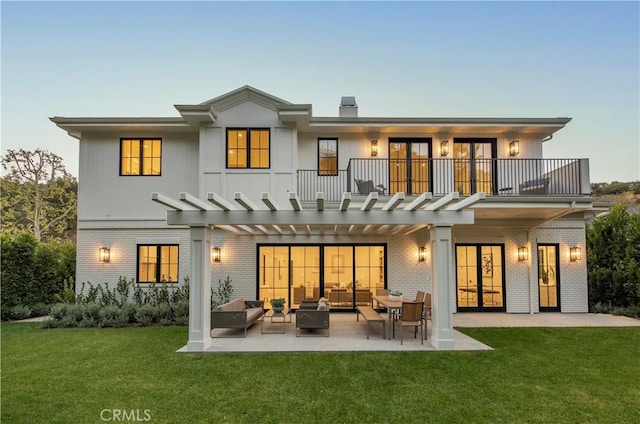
x=440, y=176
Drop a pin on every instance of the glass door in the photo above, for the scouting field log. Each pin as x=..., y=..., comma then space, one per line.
x=409, y=165
x=548, y=278
x=305, y=274
x=480, y=278
x=338, y=276
x=474, y=165
x=369, y=271
x=273, y=273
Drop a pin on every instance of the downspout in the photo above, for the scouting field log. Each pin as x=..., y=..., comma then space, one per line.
x=547, y=138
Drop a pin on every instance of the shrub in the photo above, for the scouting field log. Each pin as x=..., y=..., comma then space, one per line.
x=128, y=310
x=181, y=309
x=58, y=311
x=68, y=293
x=632, y=312
x=181, y=292
x=145, y=314
x=91, y=311
x=68, y=321
x=5, y=312
x=40, y=310
x=87, y=322
x=122, y=319
x=164, y=312
x=20, y=312
x=76, y=312
x=109, y=316
x=49, y=323
x=223, y=294
x=32, y=271
x=182, y=321
x=600, y=308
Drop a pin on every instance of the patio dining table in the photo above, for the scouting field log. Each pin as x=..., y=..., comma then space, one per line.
x=392, y=307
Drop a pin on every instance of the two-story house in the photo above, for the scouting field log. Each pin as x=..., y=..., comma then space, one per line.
x=291, y=205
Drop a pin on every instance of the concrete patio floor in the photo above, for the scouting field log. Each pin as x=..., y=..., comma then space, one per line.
x=349, y=335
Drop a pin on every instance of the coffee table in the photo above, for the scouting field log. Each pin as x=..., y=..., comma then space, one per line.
x=283, y=317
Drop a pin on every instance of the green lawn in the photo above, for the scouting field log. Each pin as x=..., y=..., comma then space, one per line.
x=534, y=375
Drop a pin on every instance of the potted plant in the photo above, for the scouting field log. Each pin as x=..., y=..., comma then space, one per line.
x=277, y=304
x=395, y=295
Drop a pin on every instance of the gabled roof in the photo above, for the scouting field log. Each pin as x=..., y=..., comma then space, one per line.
x=243, y=94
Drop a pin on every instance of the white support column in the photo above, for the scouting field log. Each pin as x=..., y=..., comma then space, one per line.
x=442, y=316
x=200, y=291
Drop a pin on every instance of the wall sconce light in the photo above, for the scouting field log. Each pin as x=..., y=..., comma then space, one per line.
x=374, y=148
x=215, y=254
x=422, y=254
x=523, y=253
x=104, y=254
x=514, y=148
x=575, y=254
x=444, y=147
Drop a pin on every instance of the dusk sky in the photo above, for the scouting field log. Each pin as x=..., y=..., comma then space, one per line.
x=427, y=59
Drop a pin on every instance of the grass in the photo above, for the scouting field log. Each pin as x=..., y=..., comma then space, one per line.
x=534, y=375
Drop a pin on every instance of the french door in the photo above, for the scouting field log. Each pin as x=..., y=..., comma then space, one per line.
x=548, y=277
x=409, y=167
x=480, y=278
x=474, y=167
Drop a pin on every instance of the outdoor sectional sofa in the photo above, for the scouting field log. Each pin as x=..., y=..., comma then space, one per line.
x=238, y=313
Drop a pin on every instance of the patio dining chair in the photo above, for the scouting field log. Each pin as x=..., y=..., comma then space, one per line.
x=419, y=296
x=426, y=312
x=380, y=292
x=411, y=316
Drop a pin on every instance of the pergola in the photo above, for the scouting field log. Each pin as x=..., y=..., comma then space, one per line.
x=396, y=215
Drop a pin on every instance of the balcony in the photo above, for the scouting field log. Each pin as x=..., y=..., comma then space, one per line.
x=440, y=176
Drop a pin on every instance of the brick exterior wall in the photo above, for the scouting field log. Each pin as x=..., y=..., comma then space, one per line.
x=404, y=271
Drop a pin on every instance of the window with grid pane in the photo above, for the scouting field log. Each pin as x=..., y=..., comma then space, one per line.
x=140, y=156
x=248, y=148
x=327, y=156
x=157, y=263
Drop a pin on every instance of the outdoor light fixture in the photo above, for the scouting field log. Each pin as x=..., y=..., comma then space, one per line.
x=422, y=254
x=215, y=254
x=444, y=147
x=575, y=254
x=514, y=148
x=104, y=254
x=523, y=253
x=374, y=148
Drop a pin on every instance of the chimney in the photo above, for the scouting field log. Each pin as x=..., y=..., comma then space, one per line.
x=348, y=107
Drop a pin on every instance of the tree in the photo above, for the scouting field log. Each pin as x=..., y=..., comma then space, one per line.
x=613, y=251
x=38, y=194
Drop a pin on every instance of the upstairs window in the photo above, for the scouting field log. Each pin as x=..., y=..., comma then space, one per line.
x=248, y=148
x=327, y=156
x=140, y=156
x=158, y=263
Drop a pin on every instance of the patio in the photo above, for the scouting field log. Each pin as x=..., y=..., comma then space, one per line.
x=349, y=335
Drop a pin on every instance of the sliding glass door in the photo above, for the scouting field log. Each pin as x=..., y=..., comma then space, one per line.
x=347, y=275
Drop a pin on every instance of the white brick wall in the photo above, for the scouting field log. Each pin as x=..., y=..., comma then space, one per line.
x=404, y=272
x=122, y=243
